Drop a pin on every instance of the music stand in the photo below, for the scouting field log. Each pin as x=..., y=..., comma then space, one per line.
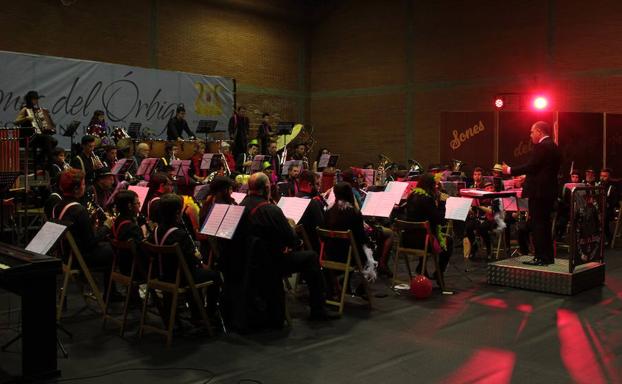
x=207, y=127
x=70, y=132
x=134, y=130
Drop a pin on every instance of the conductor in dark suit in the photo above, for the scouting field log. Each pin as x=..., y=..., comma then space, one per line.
x=541, y=189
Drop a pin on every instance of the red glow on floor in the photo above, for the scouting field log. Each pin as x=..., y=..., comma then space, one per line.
x=525, y=308
x=576, y=351
x=485, y=366
x=607, y=357
x=492, y=302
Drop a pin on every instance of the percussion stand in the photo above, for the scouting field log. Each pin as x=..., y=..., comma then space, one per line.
x=70, y=132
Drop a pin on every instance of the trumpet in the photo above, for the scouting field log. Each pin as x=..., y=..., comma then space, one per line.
x=97, y=163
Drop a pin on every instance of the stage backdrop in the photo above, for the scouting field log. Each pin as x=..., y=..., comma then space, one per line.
x=514, y=126
x=580, y=140
x=74, y=89
x=468, y=136
x=614, y=143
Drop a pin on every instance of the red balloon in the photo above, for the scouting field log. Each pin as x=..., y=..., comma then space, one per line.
x=420, y=286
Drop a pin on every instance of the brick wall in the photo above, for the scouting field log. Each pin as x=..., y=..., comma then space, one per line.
x=453, y=55
x=369, y=76
x=259, y=44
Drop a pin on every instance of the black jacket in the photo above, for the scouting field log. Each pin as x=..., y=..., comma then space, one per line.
x=541, y=171
x=176, y=127
x=80, y=225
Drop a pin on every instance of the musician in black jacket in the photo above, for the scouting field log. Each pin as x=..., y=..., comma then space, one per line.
x=541, y=189
x=177, y=125
x=170, y=230
x=274, y=251
x=42, y=139
x=126, y=227
x=238, y=130
x=92, y=243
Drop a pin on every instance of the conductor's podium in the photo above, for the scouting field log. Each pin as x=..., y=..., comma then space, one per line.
x=554, y=278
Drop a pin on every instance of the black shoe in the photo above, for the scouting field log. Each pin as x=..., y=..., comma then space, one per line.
x=538, y=262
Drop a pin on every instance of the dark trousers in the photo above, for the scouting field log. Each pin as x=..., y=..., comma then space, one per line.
x=45, y=144
x=307, y=264
x=540, y=222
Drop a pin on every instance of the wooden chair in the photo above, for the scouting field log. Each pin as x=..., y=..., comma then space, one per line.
x=352, y=264
x=69, y=271
x=403, y=228
x=128, y=281
x=157, y=252
x=617, y=232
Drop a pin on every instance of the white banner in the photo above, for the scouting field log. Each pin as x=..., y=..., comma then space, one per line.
x=74, y=89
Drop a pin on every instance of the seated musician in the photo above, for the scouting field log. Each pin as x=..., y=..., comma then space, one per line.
x=563, y=206
x=322, y=151
x=480, y=221
x=197, y=173
x=275, y=161
x=293, y=174
x=612, y=193
x=43, y=140
x=142, y=152
x=421, y=205
x=220, y=190
x=126, y=227
x=478, y=180
x=229, y=158
x=590, y=177
x=96, y=251
x=343, y=216
x=350, y=177
x=159, y=184
x=245, y=160
x=110, y=156
x=177, y=125
x=313, y=216
x=171, y=150
x=169, y=231
x=102, y=187
x=276, y=241
x=300, y=153
x=56, y=166
x=87, y=161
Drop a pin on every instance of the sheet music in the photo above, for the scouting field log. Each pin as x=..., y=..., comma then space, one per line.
x=293, y=207
x=230, y=222
x=509, y=204
x=323, y=163
x=572, y=186
x=396, y=189
x=457, y=208
x=473, y=192
x=206, y=161
x=145, y=165
x=213, y=221
x=141, y=192
x=117, y=167
x=329, y=196
x=257, y=163
x=378, y=204
x=45, y=239
x=238, y=197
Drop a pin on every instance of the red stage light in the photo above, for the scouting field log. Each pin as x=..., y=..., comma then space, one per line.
x=540, y=102
x=499, y=102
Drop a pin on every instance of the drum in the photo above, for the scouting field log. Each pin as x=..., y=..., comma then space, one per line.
x=187, y=148
x=157, y=147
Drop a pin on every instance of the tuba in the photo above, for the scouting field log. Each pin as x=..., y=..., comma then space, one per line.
x=415, y=167
x=456, y=166
x=380, y=176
